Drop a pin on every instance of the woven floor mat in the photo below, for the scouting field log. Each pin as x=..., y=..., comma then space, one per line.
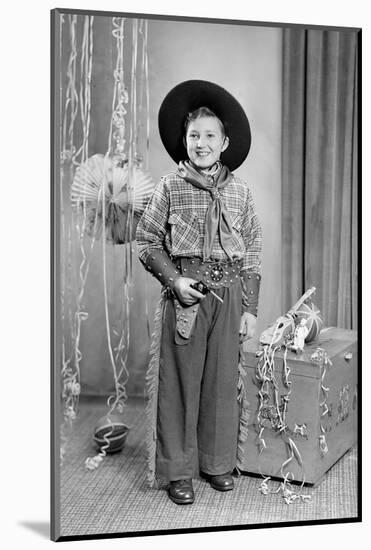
x=115, y=498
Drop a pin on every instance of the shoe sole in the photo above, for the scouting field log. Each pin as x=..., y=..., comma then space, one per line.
x=181, y=500
x=218, y=488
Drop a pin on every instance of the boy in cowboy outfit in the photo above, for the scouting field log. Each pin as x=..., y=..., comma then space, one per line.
x=200, y=225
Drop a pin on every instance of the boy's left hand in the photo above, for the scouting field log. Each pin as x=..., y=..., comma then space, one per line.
x=247, y=326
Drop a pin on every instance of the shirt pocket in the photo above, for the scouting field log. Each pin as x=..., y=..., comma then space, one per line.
x=185, y=235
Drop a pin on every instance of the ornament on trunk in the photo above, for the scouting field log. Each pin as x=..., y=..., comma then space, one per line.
x=312, y=315
x=300, y=334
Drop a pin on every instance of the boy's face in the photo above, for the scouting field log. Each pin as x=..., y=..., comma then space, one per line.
x=205, y=141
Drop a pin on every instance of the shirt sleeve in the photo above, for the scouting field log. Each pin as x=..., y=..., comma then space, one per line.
x=252, y=236
x=251, y=266
x=152, y=226
x=150, y=237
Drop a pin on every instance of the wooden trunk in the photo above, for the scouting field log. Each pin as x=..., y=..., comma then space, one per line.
x=321, y=409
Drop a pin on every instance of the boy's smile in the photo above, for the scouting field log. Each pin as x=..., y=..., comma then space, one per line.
x=205, y=141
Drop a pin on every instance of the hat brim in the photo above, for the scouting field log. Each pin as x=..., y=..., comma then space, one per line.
x=189, y=96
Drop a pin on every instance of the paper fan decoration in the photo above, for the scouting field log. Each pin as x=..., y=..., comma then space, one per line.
x=109, y=177
x=312, y=315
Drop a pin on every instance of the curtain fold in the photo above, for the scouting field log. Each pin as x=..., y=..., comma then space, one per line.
x=319, y=179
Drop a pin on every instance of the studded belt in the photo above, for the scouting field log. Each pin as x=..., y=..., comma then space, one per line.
x=215, y=274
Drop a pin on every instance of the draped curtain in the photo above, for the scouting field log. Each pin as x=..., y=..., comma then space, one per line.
x=319, y=178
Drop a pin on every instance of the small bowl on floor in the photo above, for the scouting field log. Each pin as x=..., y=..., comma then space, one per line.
x=110, y=433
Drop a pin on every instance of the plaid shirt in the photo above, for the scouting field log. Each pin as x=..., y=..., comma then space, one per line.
x=174, y=220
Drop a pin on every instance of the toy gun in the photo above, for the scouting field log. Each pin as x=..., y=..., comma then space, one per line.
x=277, y=333
x=204, y=289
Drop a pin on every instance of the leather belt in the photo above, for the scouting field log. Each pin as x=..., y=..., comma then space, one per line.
x=215, y=274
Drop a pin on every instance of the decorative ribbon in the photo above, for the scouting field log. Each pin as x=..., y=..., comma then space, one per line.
x=77, y=102
x=92, y=462
x=269, y=386
x=70, y=372
x=320, y=356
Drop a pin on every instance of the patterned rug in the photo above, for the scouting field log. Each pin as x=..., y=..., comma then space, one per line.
x=115, y=498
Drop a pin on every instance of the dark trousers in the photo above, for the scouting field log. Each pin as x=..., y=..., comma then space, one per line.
x=197, y=422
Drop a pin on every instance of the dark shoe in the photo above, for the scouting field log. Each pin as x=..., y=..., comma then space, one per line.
x=181, y=491
x=222, y=482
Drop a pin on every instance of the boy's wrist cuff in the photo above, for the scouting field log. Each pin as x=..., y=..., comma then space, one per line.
x=250, y=283
x=159, y=263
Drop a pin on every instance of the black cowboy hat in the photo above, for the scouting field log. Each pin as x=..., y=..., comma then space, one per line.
x=189, y=96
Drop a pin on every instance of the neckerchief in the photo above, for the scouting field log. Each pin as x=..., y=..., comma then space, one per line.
x=217, y=215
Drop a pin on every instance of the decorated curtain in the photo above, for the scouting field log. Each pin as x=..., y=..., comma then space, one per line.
x=320, y=171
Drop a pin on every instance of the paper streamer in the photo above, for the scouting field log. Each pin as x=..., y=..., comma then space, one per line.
x=269, y=392
x=70, y=371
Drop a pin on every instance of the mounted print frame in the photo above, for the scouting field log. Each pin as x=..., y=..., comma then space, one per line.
x=298, y=442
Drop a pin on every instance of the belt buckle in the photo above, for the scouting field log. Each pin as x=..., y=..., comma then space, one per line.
x=216, y=273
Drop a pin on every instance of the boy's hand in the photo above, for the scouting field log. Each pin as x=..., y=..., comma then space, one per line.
x=185, y=293
x=247, y=326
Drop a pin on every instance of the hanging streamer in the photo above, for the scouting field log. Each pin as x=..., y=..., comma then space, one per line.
x=121, y=158
x=116, y=149
x=117, y=135
x=320, y=356
x=118, y=119
x=70, y=371
x=85, y=106
x=144, y=99
x=273, y=403
x=136, y=189
x=276, y=414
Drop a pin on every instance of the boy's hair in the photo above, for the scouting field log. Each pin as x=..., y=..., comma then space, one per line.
x=200, y=113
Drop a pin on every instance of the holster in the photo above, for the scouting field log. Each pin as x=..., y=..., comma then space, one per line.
x=185, y=321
